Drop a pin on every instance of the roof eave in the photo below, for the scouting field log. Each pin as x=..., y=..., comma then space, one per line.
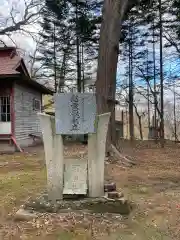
x=36, y=85
x=14, y=75
x=28, y=81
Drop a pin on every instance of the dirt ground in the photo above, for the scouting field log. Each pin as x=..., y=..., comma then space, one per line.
x=153, y=185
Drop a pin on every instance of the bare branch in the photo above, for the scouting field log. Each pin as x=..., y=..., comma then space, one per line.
x=147, y=81
x=1, y=41
x=24, y=31
x=168, y=37
x=31, y=14
x=12, y=17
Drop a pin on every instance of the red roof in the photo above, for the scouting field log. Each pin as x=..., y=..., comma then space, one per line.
x=10, y=61
x=12, y=65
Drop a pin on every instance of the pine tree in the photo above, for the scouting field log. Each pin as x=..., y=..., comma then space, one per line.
x=74, y=41
x=55, y=46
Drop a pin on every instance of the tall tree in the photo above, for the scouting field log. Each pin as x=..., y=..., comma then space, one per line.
x=131, y=90
x=114, y=13
x=112, y=18
x=161, y=74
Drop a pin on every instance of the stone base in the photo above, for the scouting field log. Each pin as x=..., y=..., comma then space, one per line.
x=93, y=205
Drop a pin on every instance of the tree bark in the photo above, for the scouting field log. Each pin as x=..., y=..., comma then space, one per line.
x=113, y=13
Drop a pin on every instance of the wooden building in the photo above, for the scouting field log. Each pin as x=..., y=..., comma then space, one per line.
x=20, y=101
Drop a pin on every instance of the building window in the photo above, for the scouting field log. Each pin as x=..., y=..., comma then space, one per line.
x=36, y=105
x=5, y=109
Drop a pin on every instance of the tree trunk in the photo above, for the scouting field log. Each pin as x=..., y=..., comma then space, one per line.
x=140, y=127
x=63, y=68
x=161, y=76
x=62, y=75
x=131, y=94
x=82, y=67
x=174, y=111
x=54, y=56
x=140, y=122
x=148, y=95
x=78, y=57
x=113, y=13
x=79, y=83
x=155, y=93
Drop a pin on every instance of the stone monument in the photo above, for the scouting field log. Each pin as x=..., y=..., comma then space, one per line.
x=75, y=113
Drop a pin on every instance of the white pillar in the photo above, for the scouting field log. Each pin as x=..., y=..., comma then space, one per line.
x=96, y=156
x=53, y=147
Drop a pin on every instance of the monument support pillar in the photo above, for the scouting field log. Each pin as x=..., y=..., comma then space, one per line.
x=96, y=156
x=53, y=147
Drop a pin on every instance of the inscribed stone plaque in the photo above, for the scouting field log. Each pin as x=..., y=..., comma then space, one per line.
x=75, y=113
x=75, y=177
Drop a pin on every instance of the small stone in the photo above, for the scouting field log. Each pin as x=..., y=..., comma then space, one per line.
x=143, y=190
x=3, y=164
x=81, y=152
x=113, y=195
x=110, y=187
x=121, y=194
x=24, y=215
x=160, y=210
x=123, y=200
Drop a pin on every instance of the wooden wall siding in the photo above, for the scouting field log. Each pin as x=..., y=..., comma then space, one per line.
x=26, y=119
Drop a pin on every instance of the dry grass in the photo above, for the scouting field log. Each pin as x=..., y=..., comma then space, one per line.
x=153, y=184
